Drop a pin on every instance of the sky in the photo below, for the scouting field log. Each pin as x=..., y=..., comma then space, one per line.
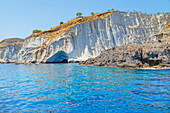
x=18, y=18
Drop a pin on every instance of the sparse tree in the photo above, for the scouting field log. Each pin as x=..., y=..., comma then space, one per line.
x=134, y=11
x=92, y=13
x=79, y=14
x=168, y=13
x=112, y=9
x=61, y=23
x=158, y=13
x=108, y=10
x=37, y=31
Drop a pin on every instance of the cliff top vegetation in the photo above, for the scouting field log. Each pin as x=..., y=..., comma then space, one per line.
x=59, y=30
x=55, y=32
x=11, y=41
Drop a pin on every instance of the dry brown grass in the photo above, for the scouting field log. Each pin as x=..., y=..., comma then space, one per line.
x=57, y=31
x=16, y=43
x=11, y=41
x=168, y=26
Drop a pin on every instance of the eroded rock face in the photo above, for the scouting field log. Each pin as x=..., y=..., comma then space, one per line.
x=59, y=57
x=89, y=39
x=28, y=52
x=10, y=54
x=135, y=56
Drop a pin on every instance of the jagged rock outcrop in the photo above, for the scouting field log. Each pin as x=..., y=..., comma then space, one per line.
x=87, y=37
x=134, y=56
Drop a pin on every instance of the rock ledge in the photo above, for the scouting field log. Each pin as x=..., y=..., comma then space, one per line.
x=155, y=54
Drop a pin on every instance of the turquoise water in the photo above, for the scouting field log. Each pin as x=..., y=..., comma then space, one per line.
x=70, y=88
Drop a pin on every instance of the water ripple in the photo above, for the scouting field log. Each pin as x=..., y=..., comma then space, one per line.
x=73, y=88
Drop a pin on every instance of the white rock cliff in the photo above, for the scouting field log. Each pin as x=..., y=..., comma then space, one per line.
x=89, y=39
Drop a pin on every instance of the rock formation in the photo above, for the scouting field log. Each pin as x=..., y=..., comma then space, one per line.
x=135, y=56
x=87, y=37
x=9, y=49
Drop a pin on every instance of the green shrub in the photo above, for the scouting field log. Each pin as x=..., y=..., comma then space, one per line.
x=61, y=23
x=5, y=46
x=135, y=11
x=112, y=9
x=108, y=10
x=79, y=14
x=168, y=13
x=37, y=31
x=92, y=13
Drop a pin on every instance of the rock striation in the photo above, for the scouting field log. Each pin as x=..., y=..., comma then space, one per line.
x=134, y=56
x=9, y=49
x=87, y=37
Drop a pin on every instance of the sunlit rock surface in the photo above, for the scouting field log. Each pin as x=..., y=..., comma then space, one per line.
x=88, y=40
x=10, y=54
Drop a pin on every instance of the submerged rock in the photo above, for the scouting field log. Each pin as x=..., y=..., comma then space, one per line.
x=134, y=56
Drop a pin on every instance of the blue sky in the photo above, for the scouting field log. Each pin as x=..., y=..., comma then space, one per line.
x=19, y=17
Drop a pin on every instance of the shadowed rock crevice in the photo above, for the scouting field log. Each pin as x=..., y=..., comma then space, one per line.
x=59, y=57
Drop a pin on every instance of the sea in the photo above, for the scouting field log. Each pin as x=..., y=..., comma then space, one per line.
x=73, y=88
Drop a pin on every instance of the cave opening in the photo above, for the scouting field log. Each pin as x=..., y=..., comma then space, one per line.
x=59, y=57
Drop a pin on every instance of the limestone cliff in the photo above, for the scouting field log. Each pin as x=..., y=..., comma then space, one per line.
x=10, y=53
x=9, y=49
x=87, y=37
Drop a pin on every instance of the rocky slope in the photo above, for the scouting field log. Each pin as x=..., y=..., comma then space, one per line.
x=135, y=56
x=87, y=37
x=8, y=41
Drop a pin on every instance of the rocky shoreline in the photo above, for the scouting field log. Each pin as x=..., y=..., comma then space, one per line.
x=154, y=54
x=86, y=37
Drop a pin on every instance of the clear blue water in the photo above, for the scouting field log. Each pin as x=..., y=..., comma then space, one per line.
x=70, y=88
